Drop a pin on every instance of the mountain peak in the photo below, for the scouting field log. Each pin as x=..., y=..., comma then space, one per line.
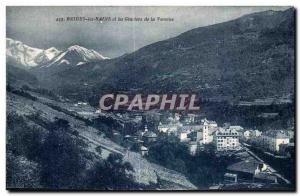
x=76, y=47
x=75, y=55
x=20, y=54
x=87, y=55
x=52, y=49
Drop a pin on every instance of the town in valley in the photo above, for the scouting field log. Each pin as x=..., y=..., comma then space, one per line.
x=255, y=156
x=89, y=107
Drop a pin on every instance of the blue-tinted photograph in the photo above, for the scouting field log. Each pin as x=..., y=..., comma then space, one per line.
x=150, y=98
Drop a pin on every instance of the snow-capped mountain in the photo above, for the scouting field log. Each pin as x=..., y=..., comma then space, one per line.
x=18, y=53
x=76, y=55
x=21, y=54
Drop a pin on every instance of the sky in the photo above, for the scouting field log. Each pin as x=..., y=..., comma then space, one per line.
x=38, y=26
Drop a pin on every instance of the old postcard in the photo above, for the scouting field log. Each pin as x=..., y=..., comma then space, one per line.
x=150, y=98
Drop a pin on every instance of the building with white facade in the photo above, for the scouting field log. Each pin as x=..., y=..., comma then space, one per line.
x=208, y=128
x=144, y=150
x=251, y=134
x=190, y=118
x=169, y=128
x=257, y=133
x=207, y=137
x=183, y=136
x=226, y=139
x=193, y=147
x=271, y=140
x=247, y=134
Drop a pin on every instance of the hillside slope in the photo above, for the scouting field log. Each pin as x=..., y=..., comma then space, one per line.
x=252, y=56
x=44, y=110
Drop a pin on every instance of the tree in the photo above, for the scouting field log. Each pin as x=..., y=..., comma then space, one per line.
x=61, y=164
x=99, y=149
x=23, y=139
x=111, y=174
x=170, y=147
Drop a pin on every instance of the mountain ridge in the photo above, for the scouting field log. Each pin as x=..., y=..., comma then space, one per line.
x=22, y=55
x=248, y=57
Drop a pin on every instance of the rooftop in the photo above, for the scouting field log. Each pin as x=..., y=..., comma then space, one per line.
x=246, y=166
x=226, y=132
x=150, y=134
x=143, y=148
x=278, y=134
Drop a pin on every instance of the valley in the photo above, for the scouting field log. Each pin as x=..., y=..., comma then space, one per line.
x=242, y=73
